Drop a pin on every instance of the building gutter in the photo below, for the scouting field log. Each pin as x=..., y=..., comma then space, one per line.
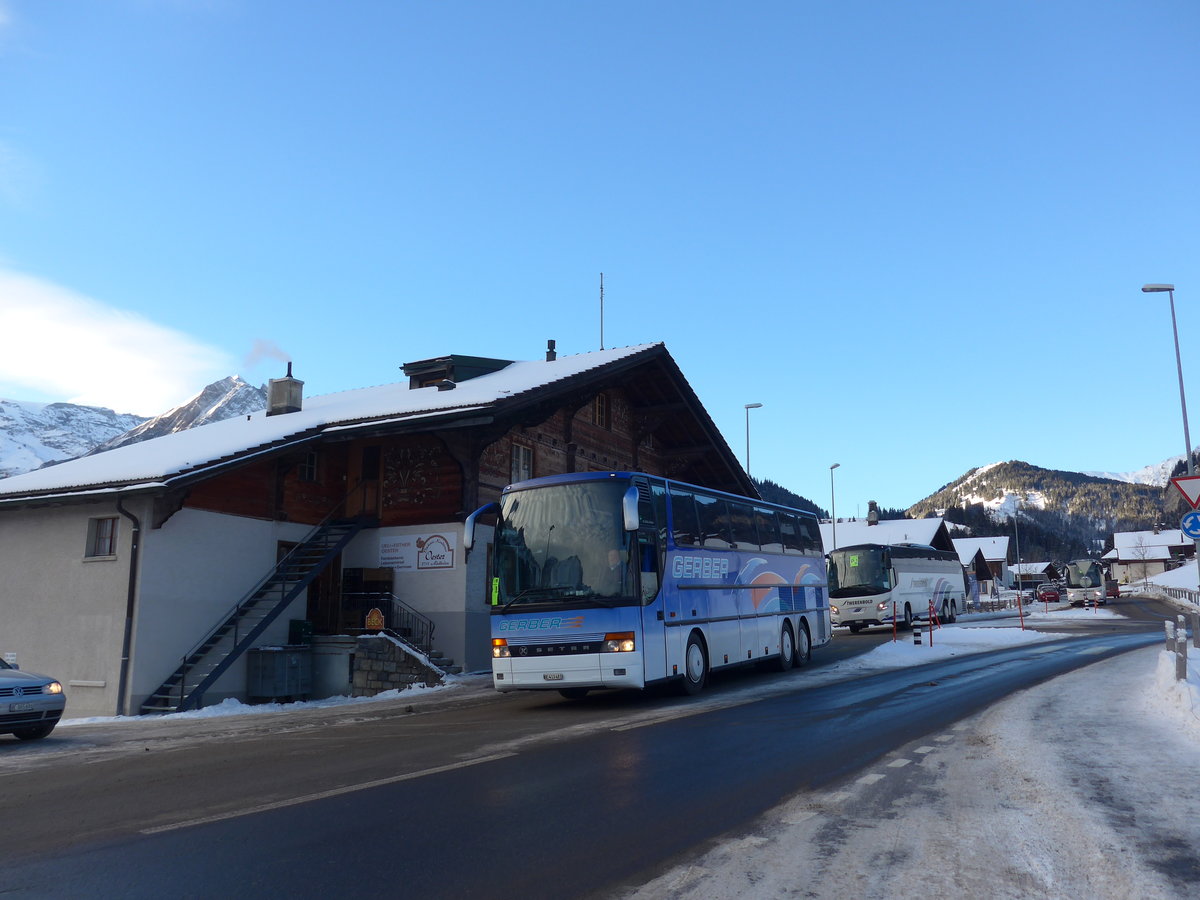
x=130, y=603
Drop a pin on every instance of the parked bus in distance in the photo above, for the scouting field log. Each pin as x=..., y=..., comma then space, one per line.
x=876, y=584
x=1085, y=583
x=623, y=580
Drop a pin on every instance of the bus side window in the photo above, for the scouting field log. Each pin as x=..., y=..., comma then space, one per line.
x=685, y=526
x=793, y=541
x=714, y=521
x=810, y=536
x=768, y=530
x=741, y=518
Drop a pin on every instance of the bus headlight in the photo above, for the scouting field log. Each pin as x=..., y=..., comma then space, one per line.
x=620, y=642
x=833, y=608
x=882, y=606
x=500, y=648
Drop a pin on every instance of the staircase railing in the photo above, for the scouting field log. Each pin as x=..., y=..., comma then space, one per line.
x=400, y=620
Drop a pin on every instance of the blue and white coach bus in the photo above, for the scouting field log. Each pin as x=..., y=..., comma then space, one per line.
x=621, y=580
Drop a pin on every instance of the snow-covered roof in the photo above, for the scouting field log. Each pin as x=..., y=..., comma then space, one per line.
x=888, y=531
x=161, y=459
x=994, y=549
x=1030, y=568
x=1135, y=546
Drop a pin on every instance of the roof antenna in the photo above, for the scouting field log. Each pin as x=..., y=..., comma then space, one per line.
x=601, y=310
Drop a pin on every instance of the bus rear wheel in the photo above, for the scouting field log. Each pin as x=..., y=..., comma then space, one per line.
x=907, y=616
x=695, y=666
x=803, y=646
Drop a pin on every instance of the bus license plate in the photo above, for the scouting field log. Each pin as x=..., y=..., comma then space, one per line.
x=553, y=676
x=20, y=707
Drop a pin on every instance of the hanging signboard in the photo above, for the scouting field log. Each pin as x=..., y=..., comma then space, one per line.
x=418, y=552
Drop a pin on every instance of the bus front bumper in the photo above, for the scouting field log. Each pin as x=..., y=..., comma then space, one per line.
x=556, y=673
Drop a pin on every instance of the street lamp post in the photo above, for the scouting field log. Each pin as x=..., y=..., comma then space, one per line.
x=1169, y=290
x=833, y=508
x=749, y=406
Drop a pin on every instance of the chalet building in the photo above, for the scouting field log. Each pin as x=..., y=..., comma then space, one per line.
x=1139, y=555
x=994, y=552
x=141, y=577
x=849, y=532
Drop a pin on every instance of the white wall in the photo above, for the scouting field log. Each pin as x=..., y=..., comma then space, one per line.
x=64, y=615
x=195, y=569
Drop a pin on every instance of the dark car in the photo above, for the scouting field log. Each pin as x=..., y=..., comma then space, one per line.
x=1048, y=593
x=30, y=705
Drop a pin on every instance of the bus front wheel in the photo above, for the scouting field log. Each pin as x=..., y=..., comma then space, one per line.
x=695, y=666
x=907, y=616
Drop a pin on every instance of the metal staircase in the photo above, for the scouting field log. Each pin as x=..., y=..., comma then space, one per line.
x=242, y=626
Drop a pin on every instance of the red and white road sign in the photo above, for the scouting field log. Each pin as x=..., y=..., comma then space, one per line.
x=1189, y=486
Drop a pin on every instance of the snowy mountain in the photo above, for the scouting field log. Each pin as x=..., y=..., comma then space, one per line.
x=34, y=434
x=1157, y=474
x=222, y=399
x=37, y=434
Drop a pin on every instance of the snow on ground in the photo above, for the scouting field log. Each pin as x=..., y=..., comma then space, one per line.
x=1050, y=794
x=1071, y=789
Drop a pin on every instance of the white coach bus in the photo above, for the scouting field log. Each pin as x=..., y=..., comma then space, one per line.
x=876, y=584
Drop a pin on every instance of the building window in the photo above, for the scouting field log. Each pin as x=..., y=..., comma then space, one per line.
x=308, y=466
x=603, y=414
x=522, y=463
x=102, y=537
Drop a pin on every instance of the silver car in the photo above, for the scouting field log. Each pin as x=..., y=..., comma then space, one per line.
x=30, y=705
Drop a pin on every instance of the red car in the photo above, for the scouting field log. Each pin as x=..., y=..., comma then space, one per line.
x=1048, y=593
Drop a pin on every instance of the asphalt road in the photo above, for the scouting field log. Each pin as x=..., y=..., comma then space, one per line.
x=491, y=796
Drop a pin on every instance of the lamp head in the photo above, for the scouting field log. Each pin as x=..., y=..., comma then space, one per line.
x=1157, y=288
x=753, y=406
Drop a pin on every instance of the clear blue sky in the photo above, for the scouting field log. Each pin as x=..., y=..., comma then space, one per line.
x=916, y=233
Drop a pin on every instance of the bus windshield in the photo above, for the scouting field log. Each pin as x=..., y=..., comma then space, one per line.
x=1083, y=574
x=563, y=544
x=858, y=572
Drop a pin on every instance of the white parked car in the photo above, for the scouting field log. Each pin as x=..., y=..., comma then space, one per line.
x=30, y=705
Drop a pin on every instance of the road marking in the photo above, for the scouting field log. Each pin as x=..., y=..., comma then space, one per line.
x=944, y=737
x=321, y=795
x=924, y=749
x=1092, y=651
x=871, y=779
x=899, y=763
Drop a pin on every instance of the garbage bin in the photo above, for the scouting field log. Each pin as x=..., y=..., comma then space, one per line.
x=279, y=673
x=333, y=665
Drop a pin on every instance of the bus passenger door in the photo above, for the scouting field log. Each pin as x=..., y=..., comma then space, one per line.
x=654, y=615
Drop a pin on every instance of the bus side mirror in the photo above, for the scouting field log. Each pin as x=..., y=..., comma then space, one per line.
x=629, y=507
x=469, y=525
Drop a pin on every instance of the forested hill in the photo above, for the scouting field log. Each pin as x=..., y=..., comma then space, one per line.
x=1062, y=514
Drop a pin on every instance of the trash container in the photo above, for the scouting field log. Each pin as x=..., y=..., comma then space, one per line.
x=333, y=665
x=279, y=673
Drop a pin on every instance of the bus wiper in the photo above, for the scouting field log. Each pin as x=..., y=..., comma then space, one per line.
x=530, y=594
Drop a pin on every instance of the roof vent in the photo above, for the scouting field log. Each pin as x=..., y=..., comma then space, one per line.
x=872, y=512
x=285, y=395
x=551, y=353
